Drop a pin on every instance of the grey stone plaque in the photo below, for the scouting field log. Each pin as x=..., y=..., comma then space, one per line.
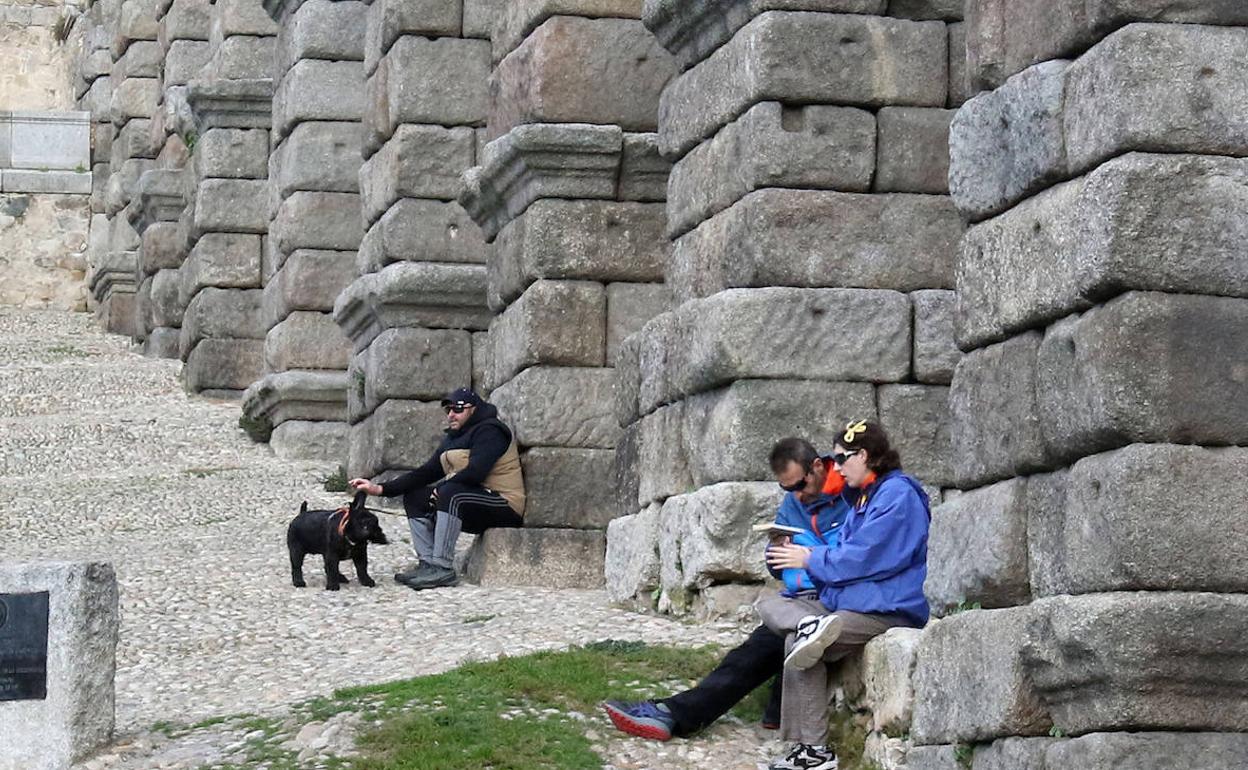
x=24, y=646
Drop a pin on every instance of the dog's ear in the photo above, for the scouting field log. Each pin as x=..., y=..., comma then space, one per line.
x=304, y=508
x=358, y=503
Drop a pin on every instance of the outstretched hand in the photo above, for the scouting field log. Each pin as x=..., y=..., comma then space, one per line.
x=788, y=556
x=364, y=485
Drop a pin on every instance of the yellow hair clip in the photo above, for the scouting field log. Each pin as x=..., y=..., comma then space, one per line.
x=852, y=430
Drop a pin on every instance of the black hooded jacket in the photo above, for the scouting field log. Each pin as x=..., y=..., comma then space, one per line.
x=484, y=436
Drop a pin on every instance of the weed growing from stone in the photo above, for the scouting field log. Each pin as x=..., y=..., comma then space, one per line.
x=849, y=737
x=336, y=481
x=258, y=430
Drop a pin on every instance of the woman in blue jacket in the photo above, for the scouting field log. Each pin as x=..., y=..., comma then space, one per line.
x=872, y=582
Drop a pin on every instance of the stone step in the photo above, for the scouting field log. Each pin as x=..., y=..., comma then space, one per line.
x=551, y=558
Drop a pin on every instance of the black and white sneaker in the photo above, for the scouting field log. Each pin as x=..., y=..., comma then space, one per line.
x=815, y=633
x=806, y=757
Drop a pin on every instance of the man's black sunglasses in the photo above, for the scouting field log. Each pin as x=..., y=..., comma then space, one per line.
x=456, y=408
x=798, y=485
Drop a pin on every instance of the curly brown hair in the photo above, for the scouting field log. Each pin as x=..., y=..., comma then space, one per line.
x=861, y=434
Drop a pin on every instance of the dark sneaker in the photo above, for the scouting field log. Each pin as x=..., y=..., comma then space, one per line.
x=814, y=635
x=433, y=577
x=411, y=574
x=769, y=723
x=645, y=719
x=806, y=757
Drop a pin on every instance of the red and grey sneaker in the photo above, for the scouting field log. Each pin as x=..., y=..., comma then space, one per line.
x=645, y=719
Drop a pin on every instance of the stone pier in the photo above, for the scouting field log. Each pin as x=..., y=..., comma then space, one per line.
x=117, y=276
x=314, y=202
x=182, y=33
x=224, y=226
x=416, y=314
x=1098, y=418
x=812, y=267
x=569, y=191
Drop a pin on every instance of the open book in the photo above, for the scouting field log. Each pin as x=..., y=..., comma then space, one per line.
x=777, y=531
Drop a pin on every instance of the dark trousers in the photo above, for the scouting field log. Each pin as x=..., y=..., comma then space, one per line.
x=759, y=658
x=477, y=508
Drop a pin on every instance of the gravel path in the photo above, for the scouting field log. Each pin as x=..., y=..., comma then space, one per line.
x=103, y=456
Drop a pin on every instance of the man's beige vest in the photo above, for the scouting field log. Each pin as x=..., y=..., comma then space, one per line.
x=505, y=477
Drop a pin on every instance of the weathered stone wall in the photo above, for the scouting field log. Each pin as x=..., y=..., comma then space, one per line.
x=43, y=244
x=43, y=236
x=1098, y=415
x=38, y=54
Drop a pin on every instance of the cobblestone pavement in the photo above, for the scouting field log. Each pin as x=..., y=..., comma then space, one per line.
x=103, y=456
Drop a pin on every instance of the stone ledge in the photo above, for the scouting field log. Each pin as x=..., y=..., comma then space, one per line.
x=298, y=395
x=116, y=272
x=710, y=342
x=551, y=558
x=560, y=161
x=58, y=182
x=231, y=103
x=406, y=294
x=160, y=196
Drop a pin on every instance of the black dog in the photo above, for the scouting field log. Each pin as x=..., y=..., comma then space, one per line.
x=335, y=535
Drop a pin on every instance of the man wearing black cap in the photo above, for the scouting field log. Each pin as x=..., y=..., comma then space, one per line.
x=472, y=483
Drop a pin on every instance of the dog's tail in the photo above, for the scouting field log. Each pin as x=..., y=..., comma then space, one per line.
x=304, y=508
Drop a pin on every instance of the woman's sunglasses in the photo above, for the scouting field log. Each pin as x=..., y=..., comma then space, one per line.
x=840, y=457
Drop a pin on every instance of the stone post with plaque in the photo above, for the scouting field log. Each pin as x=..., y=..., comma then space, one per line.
x=58, y=642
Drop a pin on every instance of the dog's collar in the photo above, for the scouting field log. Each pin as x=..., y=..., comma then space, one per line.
x=342, y=524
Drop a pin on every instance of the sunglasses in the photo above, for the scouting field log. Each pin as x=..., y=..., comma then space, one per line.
x=840, y=457
x=798, y=485
x=456, y=408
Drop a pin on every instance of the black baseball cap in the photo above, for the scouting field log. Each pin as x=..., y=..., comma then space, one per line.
x=462, y=397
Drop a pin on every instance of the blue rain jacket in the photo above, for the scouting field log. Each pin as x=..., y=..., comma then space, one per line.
x=881, y=562
x=830, y=510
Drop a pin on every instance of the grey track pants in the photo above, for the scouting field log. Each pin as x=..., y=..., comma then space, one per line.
x=807, y=694
x=463, y=508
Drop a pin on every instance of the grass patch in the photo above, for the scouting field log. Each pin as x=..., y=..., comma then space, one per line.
x=515, y=713
x=68, y=351
x=521, y=713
